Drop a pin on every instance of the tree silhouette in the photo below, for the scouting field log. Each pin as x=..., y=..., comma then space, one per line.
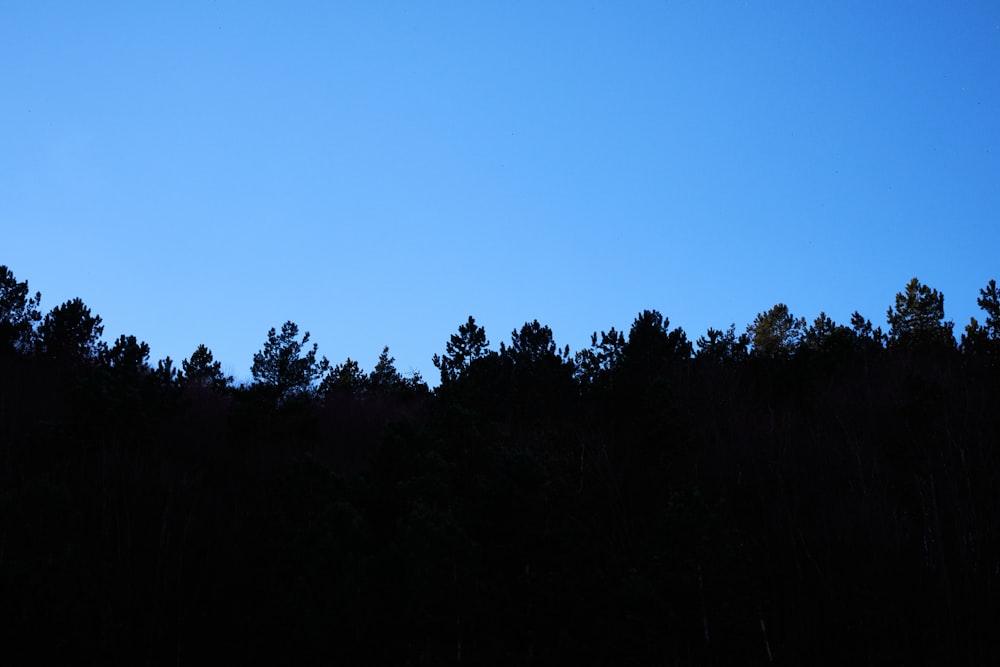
x=534, y=374
x=346, y=379
x=384, y=377
x=461, y=350
x=166, y=374
x=651, y=342
x=723, y=346
x=128, y=356
x=825, y=335
x=989, y=301
x=867, y=337
x=70, y=334
x=202, y=370
x=533, y=344
x=284, y=367
x=595, y=364
x=984, y=338
x=776, y=332
x=18, y=312
x=917, y=320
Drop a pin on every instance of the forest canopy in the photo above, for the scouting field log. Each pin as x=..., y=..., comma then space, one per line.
x=288, y=366
x=797, y=491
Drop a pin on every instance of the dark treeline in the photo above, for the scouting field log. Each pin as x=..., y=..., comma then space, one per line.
x=791, y=494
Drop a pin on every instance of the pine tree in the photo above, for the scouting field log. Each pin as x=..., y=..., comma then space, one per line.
x=985, y=338
x=18, y=312
x=71, y=334
x=346, y=379
x=461, y=350
x=384, y=377
x=204, y=371
x=284, y=367
x=776, y=332
x=917, y=320
x=723, y=346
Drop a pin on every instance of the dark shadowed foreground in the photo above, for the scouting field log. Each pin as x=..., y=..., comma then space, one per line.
x=792, y=495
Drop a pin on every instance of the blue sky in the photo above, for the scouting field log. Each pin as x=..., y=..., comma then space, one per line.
x=376, y=172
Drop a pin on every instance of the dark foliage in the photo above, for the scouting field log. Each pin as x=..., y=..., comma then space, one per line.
x=70, y=335
x=793, y=495
x=918, y=318
x=19, y=313
x=285, y=368
x=202, y=370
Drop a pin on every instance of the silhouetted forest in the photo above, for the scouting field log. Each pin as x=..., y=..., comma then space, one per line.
x=790, y=493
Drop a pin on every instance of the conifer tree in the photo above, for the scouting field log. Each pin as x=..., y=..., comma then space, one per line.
x=128, y=356
x=346, y=379
x=984, y=338
x=722, y=346
x=865, y=335
x=204, y=371
x=917, y=320
x=71, y=334
x=18, y=312
x=285, y=367
x=601, y=359
x=776, y=332
x=385, y=377
x=461, y=350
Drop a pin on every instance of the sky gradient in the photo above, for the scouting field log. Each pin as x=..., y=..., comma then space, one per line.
x=377, y=172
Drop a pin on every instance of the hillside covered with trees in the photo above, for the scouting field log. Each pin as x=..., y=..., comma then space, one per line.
x=792, y=493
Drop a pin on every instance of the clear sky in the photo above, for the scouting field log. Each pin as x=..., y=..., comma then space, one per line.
x=198, y=172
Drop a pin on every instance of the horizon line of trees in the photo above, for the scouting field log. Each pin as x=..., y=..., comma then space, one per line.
x=793, y=493
x=287, y=368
